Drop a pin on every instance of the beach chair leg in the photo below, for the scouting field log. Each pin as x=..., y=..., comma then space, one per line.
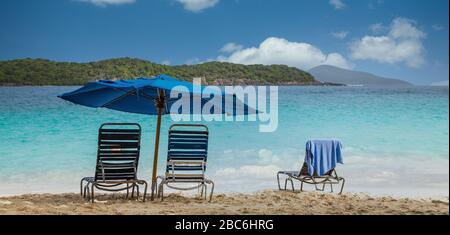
x=317, y=189
x=201, y=189
x=161, y=189
x=145, y=191
x=137, y=192
x=342, y=187
x=92, y=193
x=292, y=184
x=212, y=191
x=132, y=190
x=87, y=191
x=301, y=186
x=81, y=187
x=128, y=190
x=158, y=190
x=331, y=186
x=278, y=181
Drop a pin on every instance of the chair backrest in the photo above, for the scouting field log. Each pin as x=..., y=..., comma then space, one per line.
x=322, y=155
x=118, y=152
x=187, y=152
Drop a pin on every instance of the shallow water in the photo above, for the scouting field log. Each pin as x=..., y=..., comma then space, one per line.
x=396, y=140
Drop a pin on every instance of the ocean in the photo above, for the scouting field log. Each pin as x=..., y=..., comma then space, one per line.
x=396, y=140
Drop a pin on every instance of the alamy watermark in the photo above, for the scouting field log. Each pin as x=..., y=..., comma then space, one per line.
x=233, y=103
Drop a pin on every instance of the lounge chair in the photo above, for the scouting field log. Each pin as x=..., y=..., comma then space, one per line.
x=117, y=161
x=330, y=177
x=186, y=159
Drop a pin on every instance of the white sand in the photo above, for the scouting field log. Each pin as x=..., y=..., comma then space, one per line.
x=267, y=202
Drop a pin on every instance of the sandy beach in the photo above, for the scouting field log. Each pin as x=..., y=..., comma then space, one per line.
x=260, y=203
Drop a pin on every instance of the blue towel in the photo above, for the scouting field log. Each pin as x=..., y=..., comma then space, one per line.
x=323, y=156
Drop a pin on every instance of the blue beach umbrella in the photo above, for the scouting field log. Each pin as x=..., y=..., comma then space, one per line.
x=151, y=96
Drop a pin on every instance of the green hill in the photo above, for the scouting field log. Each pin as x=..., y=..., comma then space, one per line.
x=46, y=72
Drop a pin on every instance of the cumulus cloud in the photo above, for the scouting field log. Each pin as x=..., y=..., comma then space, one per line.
x=104, y=3
x=281, y=51
x=337, y=4
x=402, y=44
x=340, y=35
x=197, y=5
x=231, y=47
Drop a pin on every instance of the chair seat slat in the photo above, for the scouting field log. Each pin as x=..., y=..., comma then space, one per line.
x=188, y=137
x=188, y=146
x=133, y=131
x=189, y=132
x=188, y=141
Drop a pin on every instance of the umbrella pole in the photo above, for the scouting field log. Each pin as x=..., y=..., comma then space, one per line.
x=160, y=105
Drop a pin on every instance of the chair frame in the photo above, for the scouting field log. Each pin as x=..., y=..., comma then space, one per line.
x=171, y=176
x=88, y=184
x=330, y=178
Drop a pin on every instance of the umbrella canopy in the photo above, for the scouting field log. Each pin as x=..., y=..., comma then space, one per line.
x=139, y=96
x=151, y=96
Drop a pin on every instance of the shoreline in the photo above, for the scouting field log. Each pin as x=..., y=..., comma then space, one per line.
x=258, y=203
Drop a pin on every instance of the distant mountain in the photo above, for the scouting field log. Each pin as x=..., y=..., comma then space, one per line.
x=331, y=74
x=46, y=72
x=441, y=83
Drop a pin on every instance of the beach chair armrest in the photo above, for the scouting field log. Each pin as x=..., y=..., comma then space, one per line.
x=174, y=163
x=102, y=167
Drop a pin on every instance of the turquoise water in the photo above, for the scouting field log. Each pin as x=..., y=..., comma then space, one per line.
x=396, y=141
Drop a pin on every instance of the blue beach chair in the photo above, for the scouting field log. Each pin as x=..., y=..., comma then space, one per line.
x=321, y=159
x=186, y=159
x=118, y=154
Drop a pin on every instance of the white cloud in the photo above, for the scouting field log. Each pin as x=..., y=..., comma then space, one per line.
x=403, y=44
x=231, y=47
x=340, y=35
x=104, y=3
x=405, y=28
x=197, y=5
x=281, y=51
x=337, y=4
x=376, y=28
x=166, y=62
x=194, y=60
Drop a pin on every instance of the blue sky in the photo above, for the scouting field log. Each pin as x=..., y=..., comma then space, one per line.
x=405, y=39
